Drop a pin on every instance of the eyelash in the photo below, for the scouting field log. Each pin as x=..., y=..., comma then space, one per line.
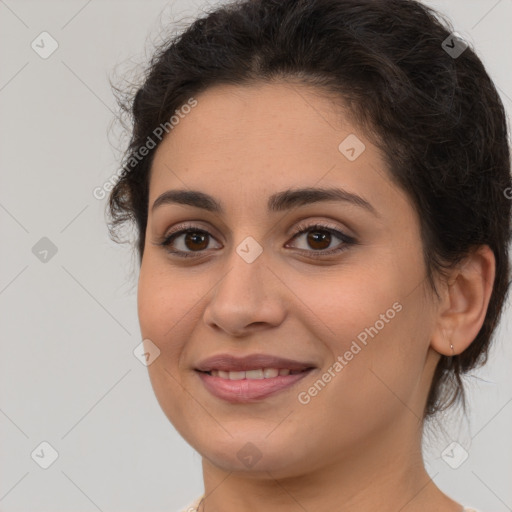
x=347, y=240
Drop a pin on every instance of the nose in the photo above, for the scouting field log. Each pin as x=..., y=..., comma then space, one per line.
x=247, y=298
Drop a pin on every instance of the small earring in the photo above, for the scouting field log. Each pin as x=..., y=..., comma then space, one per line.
x=453, y=351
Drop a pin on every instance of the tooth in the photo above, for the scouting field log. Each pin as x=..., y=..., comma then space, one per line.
x=258, y=374
x=254, y=374
x=236, y=375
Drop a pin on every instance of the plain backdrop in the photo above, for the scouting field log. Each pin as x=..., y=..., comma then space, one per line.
x=68, y=376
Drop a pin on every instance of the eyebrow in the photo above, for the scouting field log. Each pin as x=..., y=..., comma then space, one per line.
x=281, y=201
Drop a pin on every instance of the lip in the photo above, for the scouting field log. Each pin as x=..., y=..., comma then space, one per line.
x=249, y=390
x=231, y=363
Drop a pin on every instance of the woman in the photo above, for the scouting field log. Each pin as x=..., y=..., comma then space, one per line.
x=319, y=190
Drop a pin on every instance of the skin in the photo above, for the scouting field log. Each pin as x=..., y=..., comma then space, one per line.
x=356, y=446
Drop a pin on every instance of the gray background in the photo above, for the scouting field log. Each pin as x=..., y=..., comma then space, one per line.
x=68, y=375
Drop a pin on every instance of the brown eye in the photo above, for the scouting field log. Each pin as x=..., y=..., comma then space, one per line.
x=185, y=242
x=319, y=239
x=195, y=240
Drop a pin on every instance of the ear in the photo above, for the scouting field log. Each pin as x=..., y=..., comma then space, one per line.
x=464, y=301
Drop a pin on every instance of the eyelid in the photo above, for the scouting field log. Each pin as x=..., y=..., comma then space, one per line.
x=182, y=226
x=302, y=225
x=300, y=228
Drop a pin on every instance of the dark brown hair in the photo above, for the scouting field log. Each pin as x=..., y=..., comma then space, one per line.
x=436, y=117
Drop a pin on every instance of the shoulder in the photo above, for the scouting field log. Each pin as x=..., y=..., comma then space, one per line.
x=193, y=506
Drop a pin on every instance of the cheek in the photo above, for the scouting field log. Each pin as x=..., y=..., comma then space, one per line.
x=164, y=309
x=380, y=330
x=151, y=302
x=161, y=297
x=344, y=304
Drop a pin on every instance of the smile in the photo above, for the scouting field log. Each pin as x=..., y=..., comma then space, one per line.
x=261, y=373
x=251, y=385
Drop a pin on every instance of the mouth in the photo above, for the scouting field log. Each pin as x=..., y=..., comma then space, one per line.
x=250, y=378
x=255, y=374
x=255, y=366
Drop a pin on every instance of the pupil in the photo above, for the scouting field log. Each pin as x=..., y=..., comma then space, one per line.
x=318, y=237
x=195, y=237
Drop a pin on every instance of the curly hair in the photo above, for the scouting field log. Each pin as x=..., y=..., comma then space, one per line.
x=436, y=117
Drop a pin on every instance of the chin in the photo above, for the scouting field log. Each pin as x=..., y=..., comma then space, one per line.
x=254, y=455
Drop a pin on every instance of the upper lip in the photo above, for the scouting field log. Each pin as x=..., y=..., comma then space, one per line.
x=229, y=362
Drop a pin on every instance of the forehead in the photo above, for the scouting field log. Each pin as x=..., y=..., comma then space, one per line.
x=266, y=137
x=243, y=115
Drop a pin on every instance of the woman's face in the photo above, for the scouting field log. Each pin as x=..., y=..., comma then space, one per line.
x=347, y=299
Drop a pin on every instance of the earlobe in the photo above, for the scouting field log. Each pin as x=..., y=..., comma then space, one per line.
x=442, y=340
x=462, y=311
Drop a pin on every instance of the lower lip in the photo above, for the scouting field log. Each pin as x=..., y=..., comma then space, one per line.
x=248, y=390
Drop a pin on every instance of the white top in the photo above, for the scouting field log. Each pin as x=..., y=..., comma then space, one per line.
x=193, y=506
